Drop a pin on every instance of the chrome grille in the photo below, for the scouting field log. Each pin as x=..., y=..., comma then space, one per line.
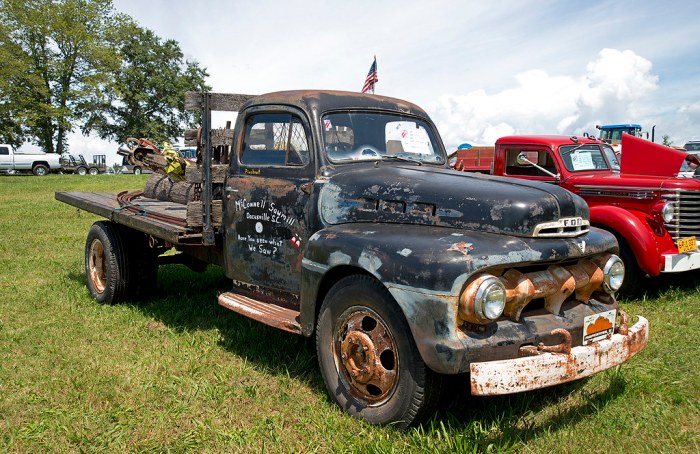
x=686, y=214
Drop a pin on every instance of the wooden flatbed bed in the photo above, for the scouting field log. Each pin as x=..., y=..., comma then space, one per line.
x=105, y=204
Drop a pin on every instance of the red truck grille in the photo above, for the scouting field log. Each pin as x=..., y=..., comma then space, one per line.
x=686, y=218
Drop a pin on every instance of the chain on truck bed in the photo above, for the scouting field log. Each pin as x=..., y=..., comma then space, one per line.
x=126, y=202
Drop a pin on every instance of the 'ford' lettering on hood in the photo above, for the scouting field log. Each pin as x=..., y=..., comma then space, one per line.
x=442, y=197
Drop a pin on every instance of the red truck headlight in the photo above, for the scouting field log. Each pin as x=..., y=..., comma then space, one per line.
x=664, y=210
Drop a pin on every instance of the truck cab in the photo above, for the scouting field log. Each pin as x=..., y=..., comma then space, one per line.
x=642, y=201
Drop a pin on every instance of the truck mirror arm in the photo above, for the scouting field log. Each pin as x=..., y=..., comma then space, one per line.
x=522, y=160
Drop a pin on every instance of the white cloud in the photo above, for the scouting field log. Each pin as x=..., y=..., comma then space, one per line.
x=609, y=91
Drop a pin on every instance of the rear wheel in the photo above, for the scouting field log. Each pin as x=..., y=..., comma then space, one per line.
x=93, y=171
x=119, y=265
x=40, y=170
x=137, y=170
x=368, y=358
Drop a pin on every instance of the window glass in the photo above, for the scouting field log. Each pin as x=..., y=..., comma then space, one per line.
x=611, y=157
x=362, y=135
x=275, y=140
x=578, y=158
x=4, y=151
x=539, y=157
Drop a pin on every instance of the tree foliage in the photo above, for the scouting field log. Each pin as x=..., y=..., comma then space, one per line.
x=61, y=59
x=146, y=97
x=69, y=64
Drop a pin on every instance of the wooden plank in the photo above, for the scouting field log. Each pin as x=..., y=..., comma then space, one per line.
x=194, y=174
x=219, y=137
x=222, y=102
x=194, y=213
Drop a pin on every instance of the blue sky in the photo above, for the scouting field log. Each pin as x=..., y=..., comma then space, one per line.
x=480, y=69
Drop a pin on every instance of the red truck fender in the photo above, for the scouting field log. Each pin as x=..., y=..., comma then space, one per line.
x=633, y=228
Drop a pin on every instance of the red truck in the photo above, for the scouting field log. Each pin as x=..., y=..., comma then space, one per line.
x=654, y=214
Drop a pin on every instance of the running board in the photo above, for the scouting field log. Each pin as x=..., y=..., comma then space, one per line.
x=269, y=314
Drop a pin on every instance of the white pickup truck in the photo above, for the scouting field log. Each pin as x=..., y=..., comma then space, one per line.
x=38, y=163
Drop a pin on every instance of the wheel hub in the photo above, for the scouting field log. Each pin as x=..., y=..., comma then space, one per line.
x=97, y=266
x=368, y=356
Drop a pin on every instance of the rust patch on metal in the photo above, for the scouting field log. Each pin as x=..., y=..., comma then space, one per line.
x=563, y=347
x=555, y=285
x=368, y=355
x=624, y=323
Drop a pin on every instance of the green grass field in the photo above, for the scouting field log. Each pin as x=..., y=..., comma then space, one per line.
x=180, y=373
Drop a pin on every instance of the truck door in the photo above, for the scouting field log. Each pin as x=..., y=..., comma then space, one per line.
x=267, y=193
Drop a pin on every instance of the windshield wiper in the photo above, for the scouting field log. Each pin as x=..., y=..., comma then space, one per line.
x=403, y=158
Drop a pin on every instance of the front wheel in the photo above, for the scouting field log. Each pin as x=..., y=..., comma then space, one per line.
x=368, y=358
x=81, y=171
x=137, y=170
x=632, y=286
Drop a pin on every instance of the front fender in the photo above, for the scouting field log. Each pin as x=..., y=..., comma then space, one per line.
x=425, y=268
x=633, y=227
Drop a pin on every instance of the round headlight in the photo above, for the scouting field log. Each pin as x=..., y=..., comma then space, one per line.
x=613, y=274
x=668, y=211
x=490, y=299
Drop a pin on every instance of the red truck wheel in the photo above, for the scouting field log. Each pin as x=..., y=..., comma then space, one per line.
x=368, y=358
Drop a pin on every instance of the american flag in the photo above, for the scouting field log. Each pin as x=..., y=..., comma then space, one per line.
x=372, y=77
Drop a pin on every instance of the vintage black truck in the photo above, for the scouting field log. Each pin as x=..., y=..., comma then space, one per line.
x=337, y=216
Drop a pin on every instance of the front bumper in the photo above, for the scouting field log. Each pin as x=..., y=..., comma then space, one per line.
x=675, y=263
x=549, y=369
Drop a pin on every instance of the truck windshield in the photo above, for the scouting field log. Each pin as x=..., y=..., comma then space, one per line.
x=368, y=136
x=581, y=158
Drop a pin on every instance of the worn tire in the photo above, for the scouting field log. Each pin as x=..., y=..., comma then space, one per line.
x=361, y=319
x=40, y=170
x=81, y=171
x=119, y=265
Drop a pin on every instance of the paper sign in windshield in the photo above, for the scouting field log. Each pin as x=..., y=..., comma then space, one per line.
x=413, y=138
x=582, y=160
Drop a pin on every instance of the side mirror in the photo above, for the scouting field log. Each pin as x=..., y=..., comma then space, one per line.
x=522, y=159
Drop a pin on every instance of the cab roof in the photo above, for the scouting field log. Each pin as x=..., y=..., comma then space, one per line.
x=320, y=101
x=552, y=141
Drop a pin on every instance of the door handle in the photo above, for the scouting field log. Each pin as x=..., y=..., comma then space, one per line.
x=230, y=189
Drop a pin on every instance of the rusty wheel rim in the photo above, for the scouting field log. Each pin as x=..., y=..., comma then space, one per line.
x=97, y=266
x=366, y=355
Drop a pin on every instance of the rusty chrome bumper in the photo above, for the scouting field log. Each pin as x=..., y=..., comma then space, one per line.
x=549, y=369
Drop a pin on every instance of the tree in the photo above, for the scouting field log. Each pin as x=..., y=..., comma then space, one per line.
x=667, y=140
x=147, y=95
x=61, y=60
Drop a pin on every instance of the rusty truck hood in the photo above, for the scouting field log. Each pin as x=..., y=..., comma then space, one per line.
x=410, y=194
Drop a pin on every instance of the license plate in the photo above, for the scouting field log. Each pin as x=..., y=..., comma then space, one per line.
x=687, y=244
x=597, y=327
